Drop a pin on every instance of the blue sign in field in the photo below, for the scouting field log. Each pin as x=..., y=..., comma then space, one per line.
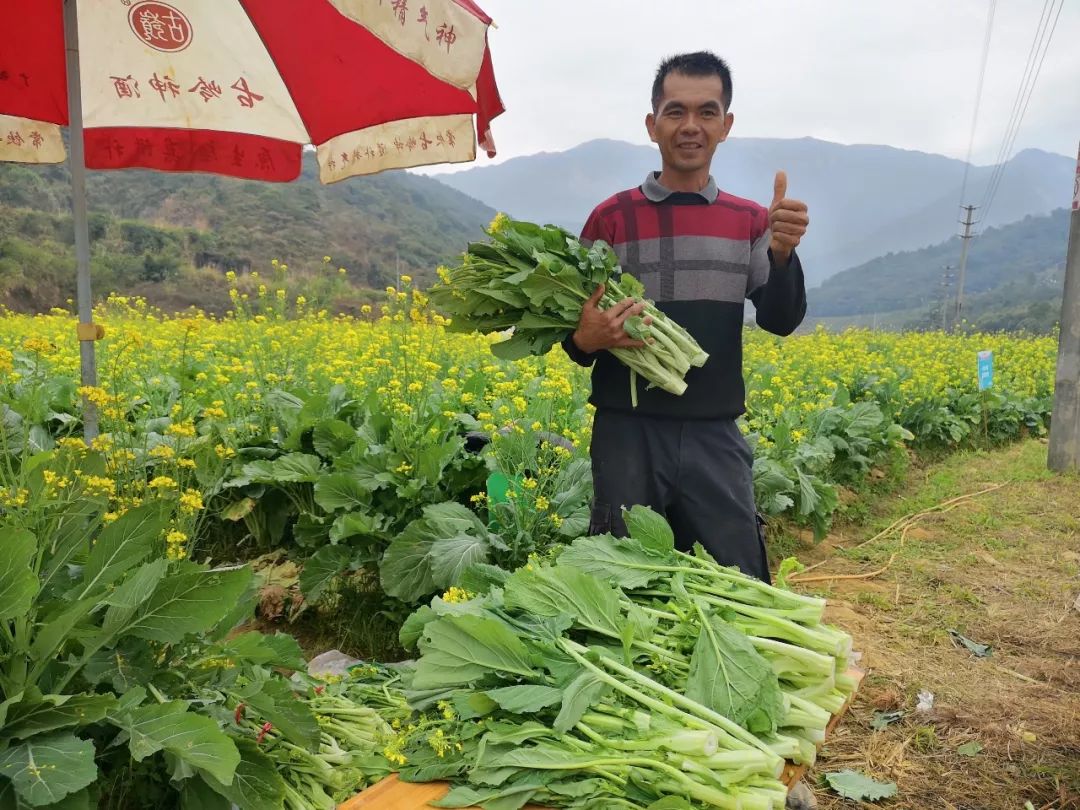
x=986, y=370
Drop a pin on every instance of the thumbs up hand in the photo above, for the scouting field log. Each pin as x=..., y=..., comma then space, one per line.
x=788, y=220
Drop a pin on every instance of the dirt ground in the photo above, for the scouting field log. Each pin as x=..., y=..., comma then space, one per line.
x=1001, y=569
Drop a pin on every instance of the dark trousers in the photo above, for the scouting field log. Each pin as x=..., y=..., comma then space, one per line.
x=697, y=473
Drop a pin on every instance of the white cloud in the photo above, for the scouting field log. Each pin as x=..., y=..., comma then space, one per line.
x=852, y=71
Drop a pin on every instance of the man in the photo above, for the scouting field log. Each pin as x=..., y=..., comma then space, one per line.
x=700, y=253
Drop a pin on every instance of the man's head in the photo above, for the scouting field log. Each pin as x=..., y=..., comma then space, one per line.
x=691, y=99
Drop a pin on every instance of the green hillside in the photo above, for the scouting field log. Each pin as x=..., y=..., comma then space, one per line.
x=166, y=235
x=1014, y=279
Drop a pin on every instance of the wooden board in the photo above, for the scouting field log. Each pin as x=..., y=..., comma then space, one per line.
x=393, y=794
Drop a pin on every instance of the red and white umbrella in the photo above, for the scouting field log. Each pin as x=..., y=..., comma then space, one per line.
x=240, y=87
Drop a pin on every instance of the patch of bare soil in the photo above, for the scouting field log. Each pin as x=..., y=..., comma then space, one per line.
x=1001, y=569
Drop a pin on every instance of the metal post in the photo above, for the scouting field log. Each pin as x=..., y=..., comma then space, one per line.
x=1064, y=451
x=79, y=218
x=946, y=282
x=967, y=237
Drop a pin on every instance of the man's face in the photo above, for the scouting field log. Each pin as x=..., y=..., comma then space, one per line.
x=690, y=121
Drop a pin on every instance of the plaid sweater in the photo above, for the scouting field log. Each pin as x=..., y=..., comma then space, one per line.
x=700, y=256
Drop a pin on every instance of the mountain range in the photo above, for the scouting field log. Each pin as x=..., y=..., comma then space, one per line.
x=883, y=213
x=865, y=201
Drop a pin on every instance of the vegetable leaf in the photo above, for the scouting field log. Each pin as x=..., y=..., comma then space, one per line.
x=191, y=601
x=547, y=591
x=321, y=568
x=256, y=782
x=192, y=738
x=45, y=769
x=462, y=649
x=341, y=491
x=728, y=675
x=649, y=529
x=18, y=583
x=883, y=720
x=976, y=649
x=858, y=786
x=121, y=545
x=526, y=699
x=622, y=561
x=585, y=690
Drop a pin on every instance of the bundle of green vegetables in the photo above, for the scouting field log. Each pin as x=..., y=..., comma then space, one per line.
x=627, y=675
x=324, y=744
x=536, y=280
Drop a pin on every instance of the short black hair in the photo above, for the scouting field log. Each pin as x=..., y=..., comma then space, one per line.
x=699, y=63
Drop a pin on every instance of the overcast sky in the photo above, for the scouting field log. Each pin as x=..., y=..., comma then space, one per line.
x=851, y=71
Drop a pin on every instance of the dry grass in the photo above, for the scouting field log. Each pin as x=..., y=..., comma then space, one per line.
x=1002, y=569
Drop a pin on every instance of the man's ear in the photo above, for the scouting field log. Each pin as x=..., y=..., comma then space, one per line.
x=650, y=126
x=729, y=122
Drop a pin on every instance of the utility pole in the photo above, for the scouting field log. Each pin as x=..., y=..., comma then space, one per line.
x=946, y=282
x=1064, y=452
x=967, y=237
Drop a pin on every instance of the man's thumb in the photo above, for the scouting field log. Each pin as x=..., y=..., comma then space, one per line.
x=779, y=188
x=594, y=299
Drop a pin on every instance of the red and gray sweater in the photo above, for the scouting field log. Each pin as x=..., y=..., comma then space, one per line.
x=700, y=256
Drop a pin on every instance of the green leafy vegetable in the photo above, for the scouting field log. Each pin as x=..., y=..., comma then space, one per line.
x=860, y=787
x=536, y=279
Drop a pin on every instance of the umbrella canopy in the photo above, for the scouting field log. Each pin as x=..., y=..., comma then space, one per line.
x=239, y=87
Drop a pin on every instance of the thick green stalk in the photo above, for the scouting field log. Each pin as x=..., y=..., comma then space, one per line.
x=690, y=706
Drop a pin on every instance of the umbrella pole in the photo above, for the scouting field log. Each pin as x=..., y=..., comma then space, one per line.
x=87, y=332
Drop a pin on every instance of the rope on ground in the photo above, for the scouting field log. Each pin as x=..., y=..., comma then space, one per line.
x=870, y=575
x=904, y=524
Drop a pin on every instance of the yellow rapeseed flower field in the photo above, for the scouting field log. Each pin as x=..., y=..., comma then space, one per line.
x=177, y=389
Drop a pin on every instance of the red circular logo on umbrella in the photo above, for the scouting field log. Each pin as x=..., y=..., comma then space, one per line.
x=160, y=26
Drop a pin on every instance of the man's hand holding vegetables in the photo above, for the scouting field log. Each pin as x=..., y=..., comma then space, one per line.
x=700, y=253
x=606, y=328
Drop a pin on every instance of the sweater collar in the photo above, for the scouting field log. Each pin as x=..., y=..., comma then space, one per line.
x=656, y=192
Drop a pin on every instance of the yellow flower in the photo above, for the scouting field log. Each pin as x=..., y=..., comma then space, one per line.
x=15, y=499
x=191, y=501
x=176, y=545
x=98, y=485
x=499, y=223
x=39, y=345
x=456, y=595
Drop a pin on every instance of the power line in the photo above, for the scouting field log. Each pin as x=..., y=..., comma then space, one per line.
x=1029, y=62
x=992, y=190
x=978, y=96
x=1048, y=32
